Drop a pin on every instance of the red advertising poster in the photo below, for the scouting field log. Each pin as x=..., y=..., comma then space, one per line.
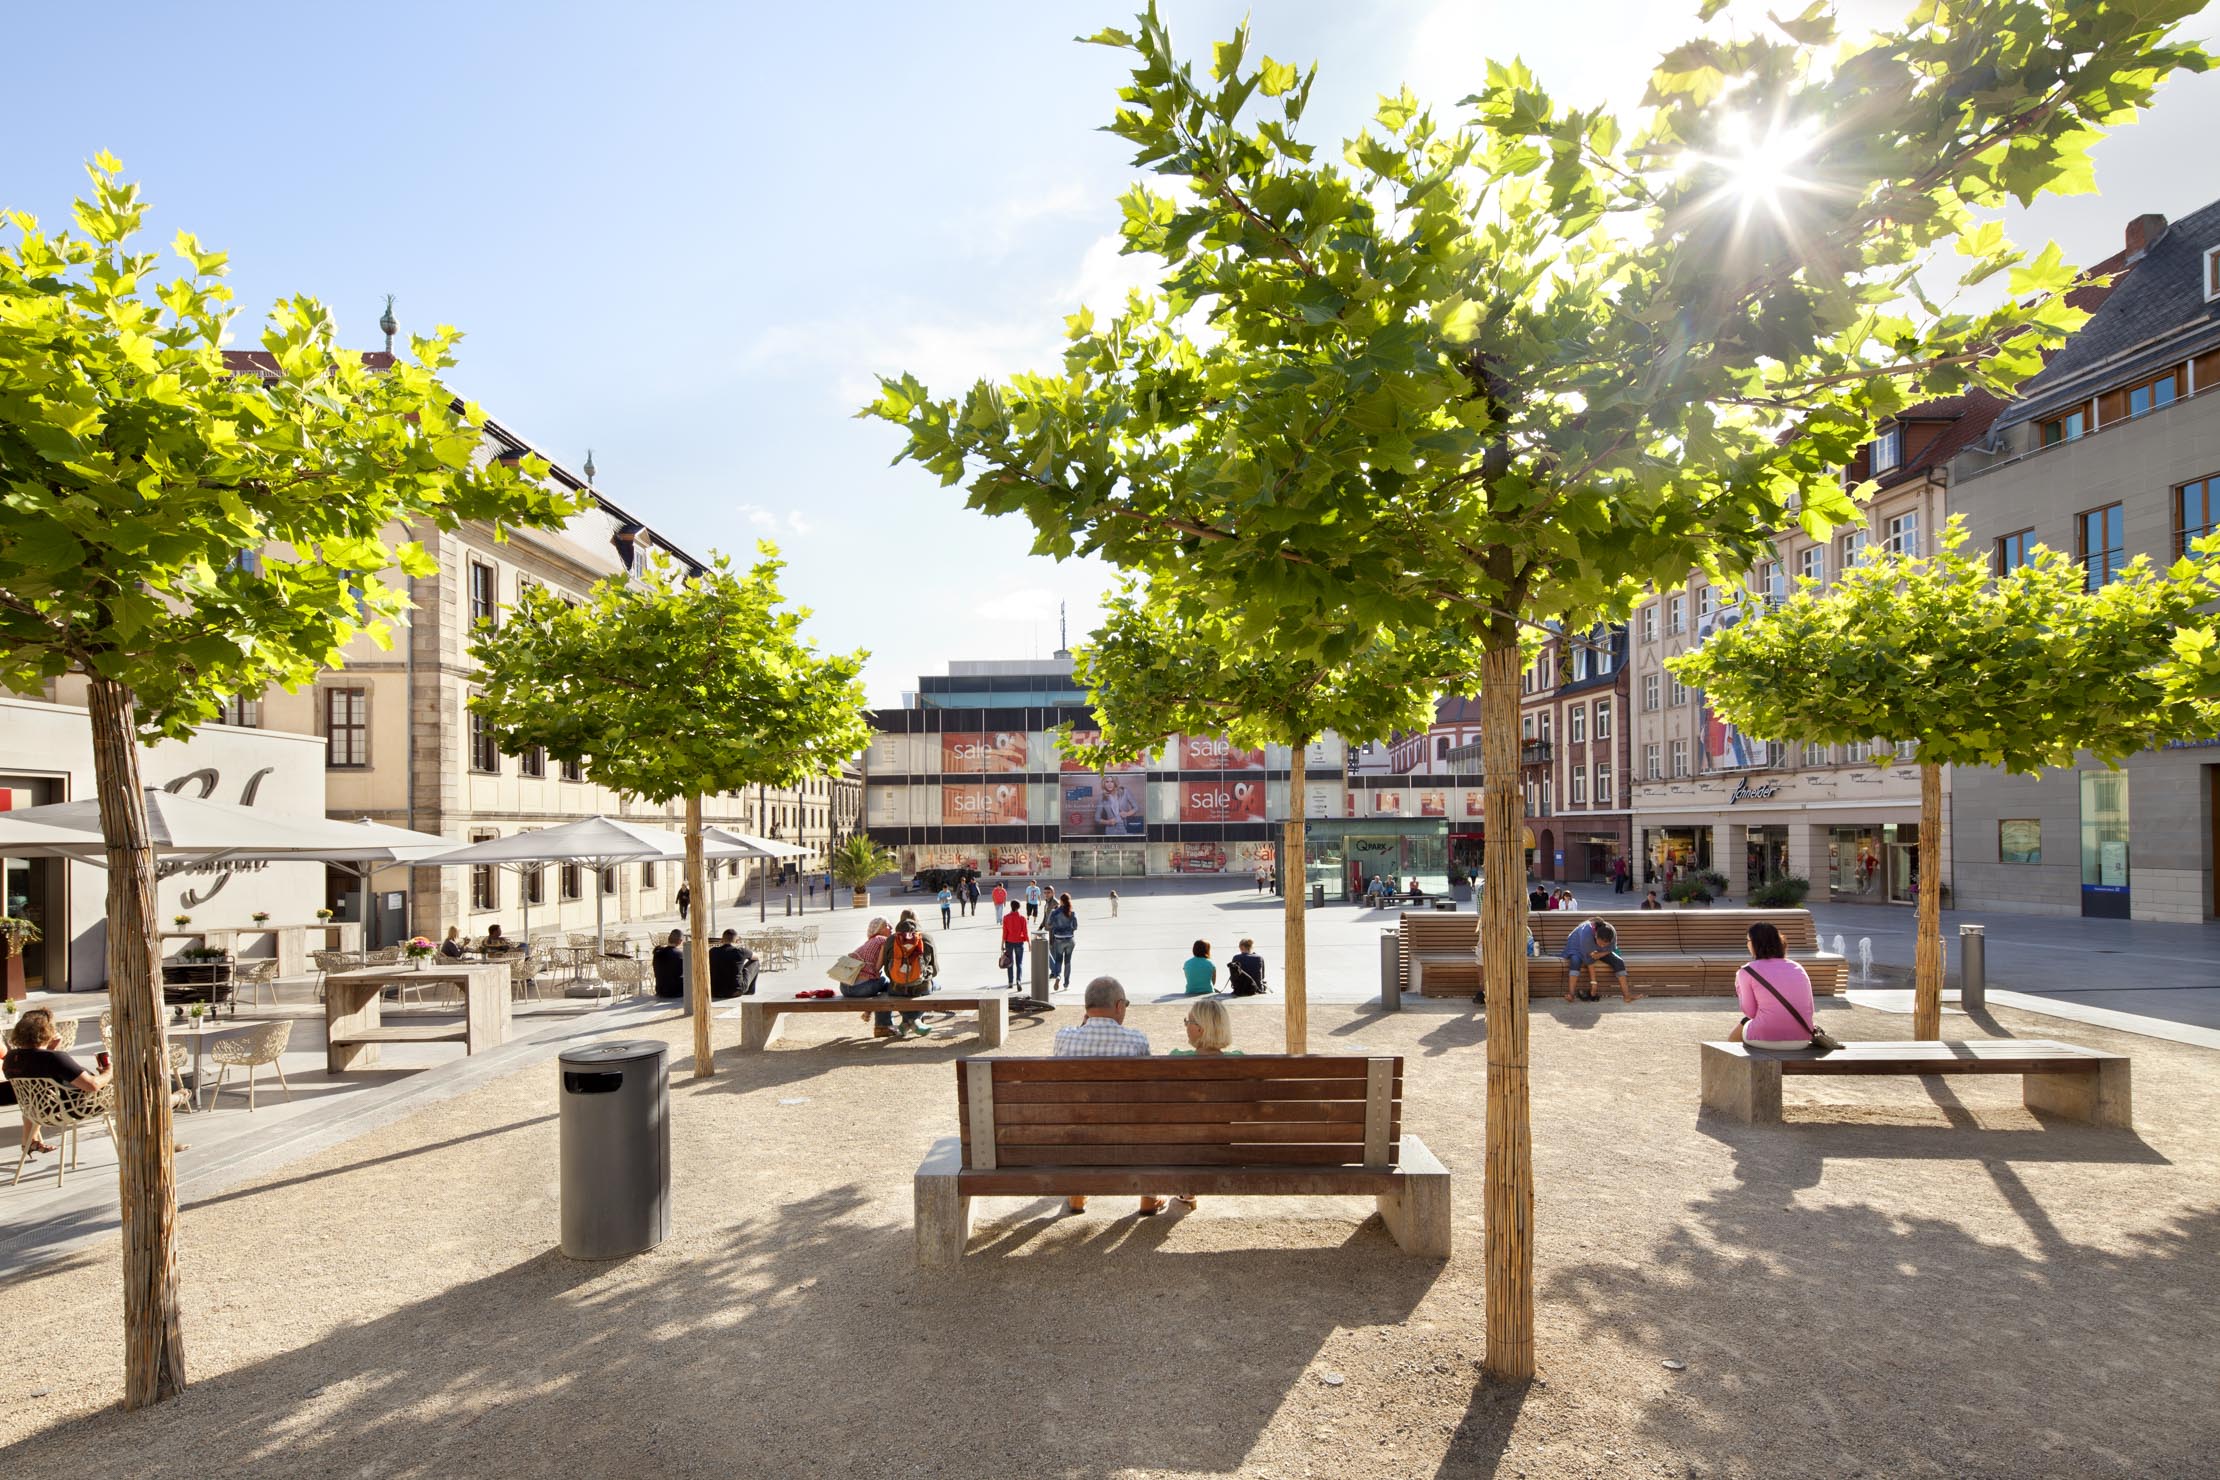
x=1475, y=807
x=1228, y=800
x=994, y=804
x=1387, y=804
x=1198, y=858
x=1216, y=753
x=1433, y=804
x=992, y=752
x=1065, y=761
x=1016, y=863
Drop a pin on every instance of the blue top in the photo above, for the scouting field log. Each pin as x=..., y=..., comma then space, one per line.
x=945, y=898
x=1581, y=944
x=1202, y=976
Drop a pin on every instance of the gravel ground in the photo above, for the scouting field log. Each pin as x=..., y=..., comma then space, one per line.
x=1911, y=1278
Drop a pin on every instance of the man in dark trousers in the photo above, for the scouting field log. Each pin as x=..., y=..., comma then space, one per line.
x=732, y=968
x=669, y=962
x=685, y=899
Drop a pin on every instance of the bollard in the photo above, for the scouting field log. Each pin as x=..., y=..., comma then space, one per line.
x=1039, y=964
x=1391, y=972
x=1973, y=967
x=1317, y=896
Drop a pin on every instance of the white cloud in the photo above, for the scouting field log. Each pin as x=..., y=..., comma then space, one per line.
x=1032, y=604
x=770, y=523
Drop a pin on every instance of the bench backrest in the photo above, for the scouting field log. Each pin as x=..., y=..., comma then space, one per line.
x=1237, y=1110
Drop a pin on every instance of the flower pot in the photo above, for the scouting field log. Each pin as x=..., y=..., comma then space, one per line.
x=860, y=899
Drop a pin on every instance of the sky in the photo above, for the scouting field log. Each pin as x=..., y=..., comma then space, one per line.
x=688, y=236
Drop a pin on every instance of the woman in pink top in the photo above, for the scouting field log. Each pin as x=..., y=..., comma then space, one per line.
x=1782, y=1017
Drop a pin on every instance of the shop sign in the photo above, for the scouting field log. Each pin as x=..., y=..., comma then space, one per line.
x=1745, y=792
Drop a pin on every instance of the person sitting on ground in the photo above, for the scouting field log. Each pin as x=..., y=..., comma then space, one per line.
x=870, y=980
x=35, y=1052
x=452, y=947
x=1774, y=993
x=732, y=968
x=1649, y=902
x=1202, y=972
x=1102, y=1034
x=1245, y=971
x=669, y=962
x=1594, y=942
x=1209, y=1036
x=909, y=964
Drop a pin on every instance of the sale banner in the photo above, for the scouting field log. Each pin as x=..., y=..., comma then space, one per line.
x=975, y=752
x=994, y=804
x=1216, y=753
x=1198, y=858
x=1222, y=801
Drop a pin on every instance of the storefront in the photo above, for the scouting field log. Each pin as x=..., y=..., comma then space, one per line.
x=1852, y=831
x=1669, y=852
x=1347, y=854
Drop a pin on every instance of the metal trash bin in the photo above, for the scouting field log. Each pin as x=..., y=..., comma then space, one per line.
x=616, y=1148
x=1317, y=896
x=1973, y=967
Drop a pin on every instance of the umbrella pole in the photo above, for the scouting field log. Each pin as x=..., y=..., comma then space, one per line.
x=601, y=943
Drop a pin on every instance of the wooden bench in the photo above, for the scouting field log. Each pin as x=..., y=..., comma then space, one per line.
x=2057, y=1078
x=1264, y=1124
x=760, y=1016
x=1669, y=953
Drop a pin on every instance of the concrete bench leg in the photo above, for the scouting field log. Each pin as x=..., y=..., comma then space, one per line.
x=1416, y=1210
x=943, y=1214
x=759, y=1024
x=2099, y=1095
x=994, y=1021
x=1741, y=1088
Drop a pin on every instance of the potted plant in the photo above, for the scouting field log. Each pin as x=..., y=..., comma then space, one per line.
x=857, y=862
x=419, y=950
x=1784, y=893
x=261, y=917
x=1690, y=891
x=16, y=932
x=181, y=921
x=197, y=974
x=324, y=915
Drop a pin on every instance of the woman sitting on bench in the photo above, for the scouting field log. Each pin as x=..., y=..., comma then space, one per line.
x=1774, y=993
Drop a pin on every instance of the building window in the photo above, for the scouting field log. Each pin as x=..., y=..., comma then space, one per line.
x=2014, y=550
x=609, y=880
x=573, y=771
x=1650, y=766
x=1678, y=694
x=1680, y=758
x=484, y=609
x=1766, y=583
x=647, y=876
x=346, y=728
x=2212, y=274
x=485, y=756
x=533, y=762
x=485, y=886
x=1853, y=550
x=1441, y=747
x=1545, y=727
x=1549, y=787
x=1903, y=531
x=1888, y=450
x=573, y=881
x=1579, y=786
x=2019, y=840
x=1703, y=606
x=535, y=884
x=1811, y=564
x=1854, y=752
x=1601, y=655
x=2101, y=546
x=2066, y=428
x=1649, y=622
x=2152, y=394
x=1526, y=727
x=1815, y=755
x=1576, y=724
x=1651, y=687
x=1907, y=750
x=248, y=562
x=1676, y=616
x=242, y=711
x=1603, y=719
x=1603, y=786
x=2193, y=510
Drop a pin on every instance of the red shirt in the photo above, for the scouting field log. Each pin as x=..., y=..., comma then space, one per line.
x=1013, y=926
x=1001, y=895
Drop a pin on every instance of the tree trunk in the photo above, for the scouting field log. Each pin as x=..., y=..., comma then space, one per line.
x=1509, y=1177
x=1292, y=858
x=1927, y=955
x=697, y=942
x=153, y=1340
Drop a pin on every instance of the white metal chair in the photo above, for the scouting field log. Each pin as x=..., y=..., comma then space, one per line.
x=328, y=962
x=254, y=976
x=521, y=980
x=52, y=1106
x=250, y=1051
x=180, y=1058
x=624, y=974
x=384, y=956
x=65, y=1029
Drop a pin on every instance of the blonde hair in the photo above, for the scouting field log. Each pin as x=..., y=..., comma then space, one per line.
x=1213, y=1026
x=32, y=1029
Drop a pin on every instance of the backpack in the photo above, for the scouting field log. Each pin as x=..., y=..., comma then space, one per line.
x=905, y=963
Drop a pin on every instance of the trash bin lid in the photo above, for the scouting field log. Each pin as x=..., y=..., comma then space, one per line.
x=621, y=1051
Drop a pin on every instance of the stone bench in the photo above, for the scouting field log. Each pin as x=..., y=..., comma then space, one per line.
x=1257, y=1124
x=2060, y=1079
x=760, y=1016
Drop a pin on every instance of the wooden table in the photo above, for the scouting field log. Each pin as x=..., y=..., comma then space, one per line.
x=354, y=1025
x=200, y=1031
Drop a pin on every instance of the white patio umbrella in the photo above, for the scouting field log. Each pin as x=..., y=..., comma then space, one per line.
x=747, y=845
x=594, y=842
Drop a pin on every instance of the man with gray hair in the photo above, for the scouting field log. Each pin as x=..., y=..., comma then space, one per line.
x=1102, y=1034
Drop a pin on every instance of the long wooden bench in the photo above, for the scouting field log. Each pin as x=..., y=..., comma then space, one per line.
x=2060, y=1079
x=1260, y=1124
x=760, y=1017
x=1670, y=953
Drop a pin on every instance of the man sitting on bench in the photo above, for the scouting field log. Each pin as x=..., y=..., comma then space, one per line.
x=1593, y=943
x=1102, y=1034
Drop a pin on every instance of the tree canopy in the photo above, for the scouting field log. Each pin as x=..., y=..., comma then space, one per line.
x=665, y=685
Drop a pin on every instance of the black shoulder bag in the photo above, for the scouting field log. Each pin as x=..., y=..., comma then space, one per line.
x=1820, y=1037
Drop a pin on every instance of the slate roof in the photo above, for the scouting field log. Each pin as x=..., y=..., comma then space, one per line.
x=2155, y=315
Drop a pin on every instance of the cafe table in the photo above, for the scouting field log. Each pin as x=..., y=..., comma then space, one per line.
x=355, y=1024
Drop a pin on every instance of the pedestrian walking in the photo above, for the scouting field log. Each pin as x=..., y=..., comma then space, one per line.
x=1032, y=901
x=971, y=895
x=947, y=905
x=1063, y=930
x=1014, y=938
x=1113, y=904
x=685, y=900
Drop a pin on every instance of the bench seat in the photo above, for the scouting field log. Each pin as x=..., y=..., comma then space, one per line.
x=1269, y=1125
x=1669, y=953
x=760, y=1016
x=2059, y=1079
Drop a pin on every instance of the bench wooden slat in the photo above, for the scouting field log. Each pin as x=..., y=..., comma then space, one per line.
x=1313, y=1112
x=1182, y=1133
x=1173, y=1091
x=1264, y=1181
x=1249, y=1066
x=884, y=1002
x=1181, y=1154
